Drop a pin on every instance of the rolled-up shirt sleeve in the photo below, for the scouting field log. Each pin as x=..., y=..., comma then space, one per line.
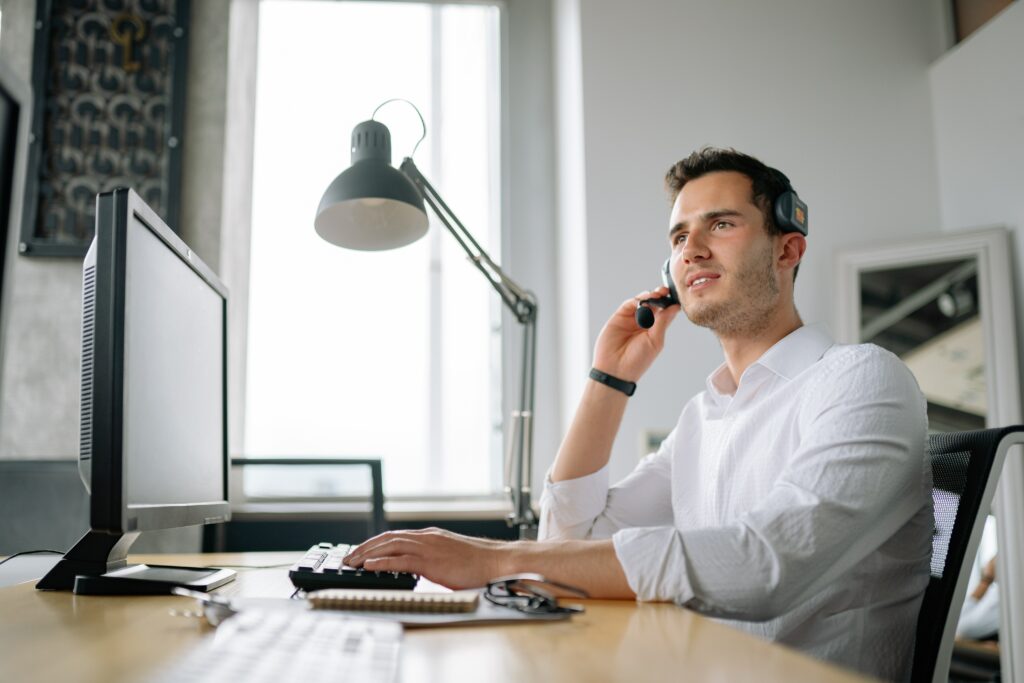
x=857, y=476
x=587, y=508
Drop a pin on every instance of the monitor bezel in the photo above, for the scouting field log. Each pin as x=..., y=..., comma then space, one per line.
x=109, y=511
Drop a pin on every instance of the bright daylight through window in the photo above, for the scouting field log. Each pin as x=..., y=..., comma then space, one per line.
x=392, y=354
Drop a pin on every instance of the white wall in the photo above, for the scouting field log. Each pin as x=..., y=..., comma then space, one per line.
x=978, y=102
x=835, y=94
x=42, y=319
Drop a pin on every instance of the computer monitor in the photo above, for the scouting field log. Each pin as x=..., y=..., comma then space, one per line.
x=154, y=400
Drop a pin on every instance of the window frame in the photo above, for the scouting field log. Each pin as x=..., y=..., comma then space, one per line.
x=520, y=24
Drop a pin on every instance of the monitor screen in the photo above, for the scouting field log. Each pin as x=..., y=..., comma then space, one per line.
x=173, y=376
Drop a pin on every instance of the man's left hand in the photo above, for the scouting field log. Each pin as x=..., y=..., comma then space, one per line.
x=440, y=556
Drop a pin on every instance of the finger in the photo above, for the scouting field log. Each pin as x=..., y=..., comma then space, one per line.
x=627, y=307
x=416, y=565
x=663, y=317
x=367, y=544
x=655, y=293
x=396, y=546
x=659, y=292
x=428, y=531
x=395, y=563
x=374, y=546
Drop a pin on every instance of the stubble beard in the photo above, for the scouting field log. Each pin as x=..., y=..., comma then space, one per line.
x=748, y=314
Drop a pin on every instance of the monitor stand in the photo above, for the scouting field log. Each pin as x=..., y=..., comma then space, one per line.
x=97, y=565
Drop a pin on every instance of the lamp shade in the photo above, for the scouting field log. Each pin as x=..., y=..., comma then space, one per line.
x=371, y=205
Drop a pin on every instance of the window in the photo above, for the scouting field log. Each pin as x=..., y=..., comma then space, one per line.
x=390, y=354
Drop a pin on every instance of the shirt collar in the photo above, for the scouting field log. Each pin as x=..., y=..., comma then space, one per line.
x=797, y=351
x=719, y=383
x=790, y=356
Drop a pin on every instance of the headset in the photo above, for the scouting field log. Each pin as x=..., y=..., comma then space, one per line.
x=790, y=213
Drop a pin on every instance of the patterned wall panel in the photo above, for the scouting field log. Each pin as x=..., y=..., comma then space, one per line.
x=111, y=75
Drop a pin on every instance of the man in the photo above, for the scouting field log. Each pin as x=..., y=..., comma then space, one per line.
x=793, y=497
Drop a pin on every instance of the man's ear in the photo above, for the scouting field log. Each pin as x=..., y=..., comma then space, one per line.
x=792, y=248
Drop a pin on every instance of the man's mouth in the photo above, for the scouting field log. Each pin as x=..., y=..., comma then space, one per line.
x=701, y=280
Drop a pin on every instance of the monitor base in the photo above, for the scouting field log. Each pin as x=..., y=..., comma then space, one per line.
x=97, y=565
x=95, y=553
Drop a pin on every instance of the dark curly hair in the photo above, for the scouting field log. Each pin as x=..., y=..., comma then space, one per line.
x=768, y=183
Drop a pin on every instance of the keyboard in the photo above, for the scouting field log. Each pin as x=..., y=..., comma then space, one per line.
x=282, y=645
x=322, y=567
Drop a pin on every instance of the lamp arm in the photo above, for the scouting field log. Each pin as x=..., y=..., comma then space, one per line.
x=523, y=304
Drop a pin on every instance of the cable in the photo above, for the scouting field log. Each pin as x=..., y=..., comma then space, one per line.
x=247, y=566
x=415, y=108
x=31, y=552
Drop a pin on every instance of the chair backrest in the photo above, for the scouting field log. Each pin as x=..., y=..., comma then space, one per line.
x=310, y=517
x=965, y=469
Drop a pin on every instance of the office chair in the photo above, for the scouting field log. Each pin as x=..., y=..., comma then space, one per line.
x=279, y=525
x=965, y=470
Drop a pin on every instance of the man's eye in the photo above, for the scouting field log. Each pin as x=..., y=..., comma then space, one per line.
x=721, y=224
x=679, y=239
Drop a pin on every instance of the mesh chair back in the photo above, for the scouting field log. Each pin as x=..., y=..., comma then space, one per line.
x=962, y=465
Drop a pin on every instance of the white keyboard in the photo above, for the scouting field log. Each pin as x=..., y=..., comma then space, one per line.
x=290, y=645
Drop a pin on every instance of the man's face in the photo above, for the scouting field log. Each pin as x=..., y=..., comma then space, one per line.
x=723, y=260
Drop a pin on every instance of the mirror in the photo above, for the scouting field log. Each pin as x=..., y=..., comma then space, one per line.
x=945, y=306
x=929, y=315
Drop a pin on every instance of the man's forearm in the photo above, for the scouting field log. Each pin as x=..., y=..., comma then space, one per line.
x=590, y=565
x=588, y=444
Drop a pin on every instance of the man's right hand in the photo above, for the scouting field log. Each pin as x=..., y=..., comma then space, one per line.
x=626, y=350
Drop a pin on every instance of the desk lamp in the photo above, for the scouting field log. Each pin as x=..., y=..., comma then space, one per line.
x=372, y=206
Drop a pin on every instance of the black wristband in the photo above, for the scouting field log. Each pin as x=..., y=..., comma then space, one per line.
x=614, y=382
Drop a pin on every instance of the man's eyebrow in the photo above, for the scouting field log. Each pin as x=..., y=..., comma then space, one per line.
x=704, y=217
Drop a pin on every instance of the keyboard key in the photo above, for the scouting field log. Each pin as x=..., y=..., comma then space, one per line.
x=310, y=562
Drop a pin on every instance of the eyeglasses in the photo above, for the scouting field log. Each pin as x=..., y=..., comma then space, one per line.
x=531, y=593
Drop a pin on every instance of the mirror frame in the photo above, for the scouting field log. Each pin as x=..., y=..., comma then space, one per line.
x=992, y=247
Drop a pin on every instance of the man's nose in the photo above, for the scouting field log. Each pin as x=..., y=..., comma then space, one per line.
x=696, y=248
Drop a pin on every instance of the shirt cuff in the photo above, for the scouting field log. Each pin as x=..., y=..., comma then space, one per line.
x=571, y=503
x=654, y=563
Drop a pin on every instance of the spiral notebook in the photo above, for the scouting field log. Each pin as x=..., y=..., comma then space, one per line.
x=394, y=600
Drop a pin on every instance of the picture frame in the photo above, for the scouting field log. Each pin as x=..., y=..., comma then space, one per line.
x=109, y=80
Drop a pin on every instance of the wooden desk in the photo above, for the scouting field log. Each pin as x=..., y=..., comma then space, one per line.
x=58, y=636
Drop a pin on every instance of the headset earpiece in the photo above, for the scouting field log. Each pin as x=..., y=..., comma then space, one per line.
x=791, y=213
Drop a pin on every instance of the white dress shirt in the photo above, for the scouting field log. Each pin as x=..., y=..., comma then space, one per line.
x=795, y=505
